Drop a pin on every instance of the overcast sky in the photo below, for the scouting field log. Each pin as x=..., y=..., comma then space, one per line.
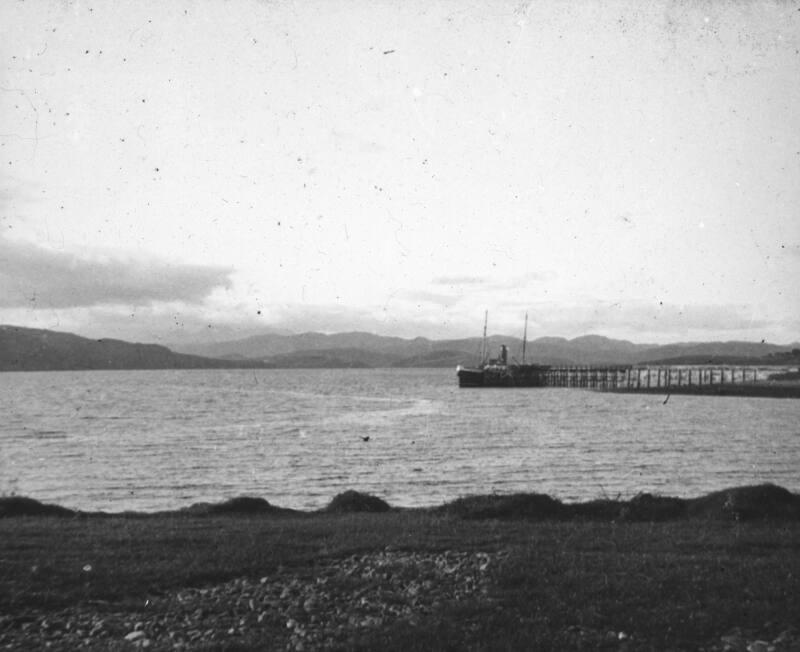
x=173, y=170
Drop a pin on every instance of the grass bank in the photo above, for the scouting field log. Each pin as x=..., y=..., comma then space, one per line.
x=493, y=572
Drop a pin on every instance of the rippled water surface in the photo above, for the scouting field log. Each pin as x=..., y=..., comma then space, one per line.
x=152, y=440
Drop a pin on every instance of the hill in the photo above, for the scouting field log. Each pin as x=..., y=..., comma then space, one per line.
x=419, y=351
x=35, y=349
x=285, y=350
x=734, y=352
x=31, y=349
x=330, y=359
x=275, y=344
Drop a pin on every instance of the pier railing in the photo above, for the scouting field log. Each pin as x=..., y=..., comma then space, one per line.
x=644, y=377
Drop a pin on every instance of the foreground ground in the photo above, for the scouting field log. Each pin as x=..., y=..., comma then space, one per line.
x=491, y=573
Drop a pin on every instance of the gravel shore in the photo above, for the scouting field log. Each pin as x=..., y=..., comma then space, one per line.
x=329, y=609
x=326, y=611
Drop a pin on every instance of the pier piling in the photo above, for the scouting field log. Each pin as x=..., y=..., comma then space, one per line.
x=643, y=378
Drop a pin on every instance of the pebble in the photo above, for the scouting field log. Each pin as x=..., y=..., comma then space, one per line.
x=324, y=610
x=736, y=641
x=758, y=646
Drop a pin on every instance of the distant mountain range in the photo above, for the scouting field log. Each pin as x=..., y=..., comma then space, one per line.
x=36, y=349
x=367, y=349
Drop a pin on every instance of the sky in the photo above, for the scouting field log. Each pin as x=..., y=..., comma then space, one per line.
x=188, y=171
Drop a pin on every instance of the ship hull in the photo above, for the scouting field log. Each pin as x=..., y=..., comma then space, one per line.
x=470, y=377
x=503, y=376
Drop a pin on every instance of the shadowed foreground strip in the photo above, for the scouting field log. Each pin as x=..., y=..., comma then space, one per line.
x=481, y=573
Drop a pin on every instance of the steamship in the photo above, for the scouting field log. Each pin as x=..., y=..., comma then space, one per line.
x=500, y=372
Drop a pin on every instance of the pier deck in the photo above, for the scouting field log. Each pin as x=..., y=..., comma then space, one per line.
x=659, y=379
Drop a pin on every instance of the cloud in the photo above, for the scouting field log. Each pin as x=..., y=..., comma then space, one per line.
x=424, y=296
x=492, y=283
x=458, y=280
x=638, y=321
x=34, y=276
x=397, y=318
x=647, y=319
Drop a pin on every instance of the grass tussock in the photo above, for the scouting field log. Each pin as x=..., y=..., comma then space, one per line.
x=240, y=506
x=22, y=506
x=521, y=505
x=765, y=501
x=355, y=501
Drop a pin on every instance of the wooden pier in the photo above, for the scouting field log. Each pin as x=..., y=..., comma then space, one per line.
x=640, y=378
x=707, y=380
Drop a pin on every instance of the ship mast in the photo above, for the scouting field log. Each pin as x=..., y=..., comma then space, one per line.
x=483, y=344
x=524, y=338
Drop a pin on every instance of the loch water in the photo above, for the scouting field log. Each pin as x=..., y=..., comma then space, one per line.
x=155, y=440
